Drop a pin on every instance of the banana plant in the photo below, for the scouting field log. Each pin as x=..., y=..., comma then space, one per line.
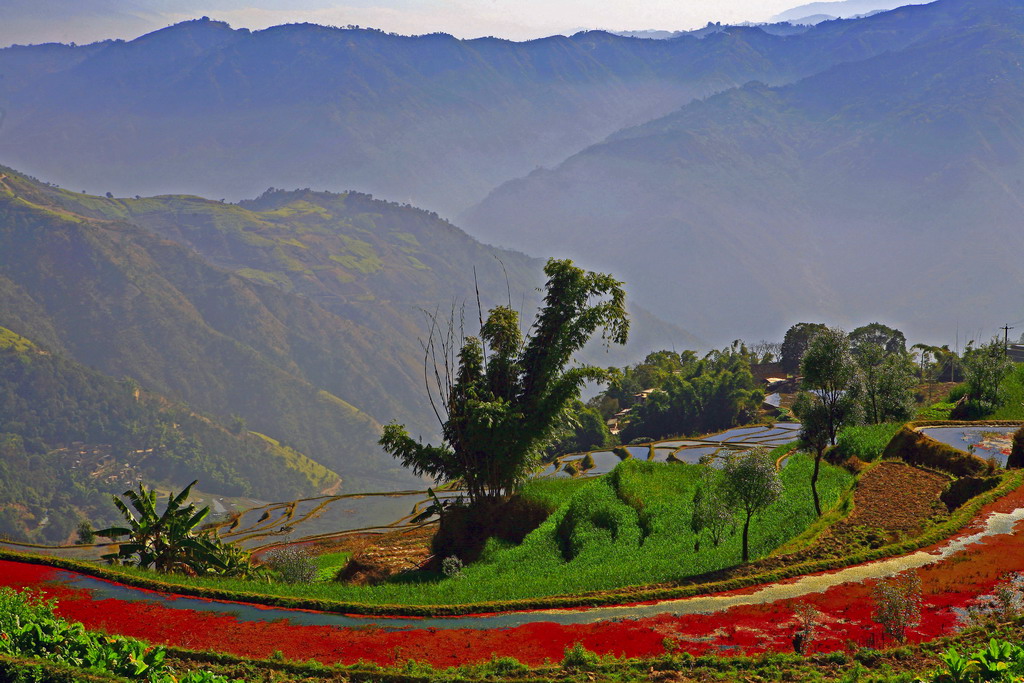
x=166, y=542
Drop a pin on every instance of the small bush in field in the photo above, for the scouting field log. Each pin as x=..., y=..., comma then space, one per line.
x=579, y=657
x=293, y=564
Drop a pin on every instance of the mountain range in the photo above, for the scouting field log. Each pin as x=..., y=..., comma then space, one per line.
x=430, y=120
x=737, y=180
x=887, y=187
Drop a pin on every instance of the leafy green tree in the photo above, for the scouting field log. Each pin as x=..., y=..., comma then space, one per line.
x=708, y=394
x=168, y=541
x=795, y=344
x=752, y=483
x=889, y=339
x=986, y=367
x=830, y=373
x=583, y=429
x=887, y=383
x=713, y=511
x=504, y=398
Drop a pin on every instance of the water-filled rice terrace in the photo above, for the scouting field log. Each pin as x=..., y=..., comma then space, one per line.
x=986, y=441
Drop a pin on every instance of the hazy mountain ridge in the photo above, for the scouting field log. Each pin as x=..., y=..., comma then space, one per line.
x=439, y=122
x=838, y=9
x=911, y=160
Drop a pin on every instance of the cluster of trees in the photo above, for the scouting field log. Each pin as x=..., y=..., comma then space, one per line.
x=583, y=428
x=697, y=396
x=865, y=375
x=868, y=375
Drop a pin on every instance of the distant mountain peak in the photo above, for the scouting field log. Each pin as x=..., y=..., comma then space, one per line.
x=204, y=32
x=815, y=12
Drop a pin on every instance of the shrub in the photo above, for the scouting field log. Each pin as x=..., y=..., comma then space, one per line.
x=1006, y=602
x=504, y=666
x=293, y=564
x=452, y=567
x=588, y=462
x=972, y=409
x=807, y=618
x=579, y=657
x=898, y=604
x=963, y=489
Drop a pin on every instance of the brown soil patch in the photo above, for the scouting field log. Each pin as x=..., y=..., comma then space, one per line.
x=896, y=497
x=893, y=501
x=377, y=557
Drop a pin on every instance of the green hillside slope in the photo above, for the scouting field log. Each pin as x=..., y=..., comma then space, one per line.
x=69, y=435
x=300, y=311
x=128, y=303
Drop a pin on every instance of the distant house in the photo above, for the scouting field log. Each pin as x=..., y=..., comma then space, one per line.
x=644, y=395
x=780, y=385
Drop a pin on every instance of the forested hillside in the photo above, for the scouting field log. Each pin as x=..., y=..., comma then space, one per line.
x=69, y=435
x=126, y=302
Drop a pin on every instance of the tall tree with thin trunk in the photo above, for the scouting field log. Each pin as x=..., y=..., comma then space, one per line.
x=814, y=433
x=752, y=483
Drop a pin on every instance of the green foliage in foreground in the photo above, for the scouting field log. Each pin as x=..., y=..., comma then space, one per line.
x=632, y=527
x=29, y=629
x=999, y=661
x=864, y=441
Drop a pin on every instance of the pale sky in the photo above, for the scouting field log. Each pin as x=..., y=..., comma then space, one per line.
x=83, y=21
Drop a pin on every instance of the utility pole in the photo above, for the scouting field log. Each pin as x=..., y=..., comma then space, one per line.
x=1006, y=338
